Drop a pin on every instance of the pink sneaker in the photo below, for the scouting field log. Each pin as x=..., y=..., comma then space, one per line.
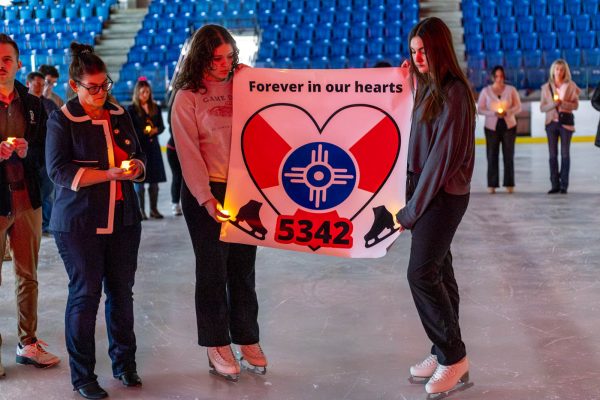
x=34, y=354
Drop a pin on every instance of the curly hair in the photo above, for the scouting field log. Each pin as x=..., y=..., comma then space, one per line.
x=200, y=54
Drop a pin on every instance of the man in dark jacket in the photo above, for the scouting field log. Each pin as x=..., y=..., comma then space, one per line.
x=22, y=135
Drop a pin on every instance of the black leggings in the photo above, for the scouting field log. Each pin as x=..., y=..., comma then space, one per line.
x=177, y=177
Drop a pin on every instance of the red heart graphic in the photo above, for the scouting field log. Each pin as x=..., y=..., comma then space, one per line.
x=367, y=133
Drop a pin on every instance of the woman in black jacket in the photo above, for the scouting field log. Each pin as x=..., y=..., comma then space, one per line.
x=148, y=122
x=440, y=165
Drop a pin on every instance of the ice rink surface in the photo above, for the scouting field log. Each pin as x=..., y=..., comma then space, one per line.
x=527, y=265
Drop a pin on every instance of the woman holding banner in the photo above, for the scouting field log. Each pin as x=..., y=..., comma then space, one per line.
x=440, y=165
x=226, y=304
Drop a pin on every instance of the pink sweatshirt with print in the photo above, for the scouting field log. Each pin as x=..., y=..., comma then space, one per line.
x=201, y=124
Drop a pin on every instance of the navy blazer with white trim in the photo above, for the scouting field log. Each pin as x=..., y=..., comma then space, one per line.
x=74, y=143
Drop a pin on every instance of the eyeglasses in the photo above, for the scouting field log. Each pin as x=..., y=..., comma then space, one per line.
x=106, y=86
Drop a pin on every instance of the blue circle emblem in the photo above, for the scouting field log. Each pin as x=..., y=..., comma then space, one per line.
x=318, y=176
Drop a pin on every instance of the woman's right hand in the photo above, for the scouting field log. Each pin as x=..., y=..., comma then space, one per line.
x=211, y=206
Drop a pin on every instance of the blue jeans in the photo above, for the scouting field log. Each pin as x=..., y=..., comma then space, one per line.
x=94, y=261
x=554, y=131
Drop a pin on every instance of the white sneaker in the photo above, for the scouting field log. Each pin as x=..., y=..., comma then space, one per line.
x=34, y=354
x=446, y=377
x=223, y=362
x=176, y=209
x=425, y=368
x=253, y=355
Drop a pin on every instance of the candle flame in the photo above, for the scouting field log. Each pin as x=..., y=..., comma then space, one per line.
x=222, y=214
x=500, y=110
x=11, y=139
x=147, y=129
x=125, y=165
x=555, y=97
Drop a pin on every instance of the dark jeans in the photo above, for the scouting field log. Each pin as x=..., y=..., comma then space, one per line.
x=93, y=261
x=226, y=304
x=47, y=192
x=431, y=275
x=177, y=176
x=554, y=131
x=493, y=141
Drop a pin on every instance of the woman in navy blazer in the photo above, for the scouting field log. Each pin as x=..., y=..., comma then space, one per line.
x=96, y=219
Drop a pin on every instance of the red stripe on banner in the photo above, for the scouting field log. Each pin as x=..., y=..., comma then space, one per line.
x=264, y=150
x=374, y=166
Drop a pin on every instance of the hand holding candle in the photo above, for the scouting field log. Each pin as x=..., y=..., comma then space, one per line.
x=126, y=165
x=556, y=98
x=11, y=140
x=147, y=129
x=222, y=214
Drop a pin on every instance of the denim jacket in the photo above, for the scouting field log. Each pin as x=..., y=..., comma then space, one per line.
x=74, y=143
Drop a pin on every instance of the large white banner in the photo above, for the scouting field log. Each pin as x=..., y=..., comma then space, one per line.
x=318, y=159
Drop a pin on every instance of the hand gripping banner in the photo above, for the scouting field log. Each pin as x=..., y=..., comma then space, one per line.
x=318, y=159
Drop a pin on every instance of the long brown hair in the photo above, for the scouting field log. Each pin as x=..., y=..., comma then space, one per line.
x=152, y=107
x=443, y=65
x=200, y=54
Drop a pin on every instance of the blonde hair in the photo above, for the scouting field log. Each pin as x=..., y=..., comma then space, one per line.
x=562, y=62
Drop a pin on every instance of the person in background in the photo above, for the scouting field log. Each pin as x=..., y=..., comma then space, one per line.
x=92, y=156
x=226, y=303
x=148, y=123
x=596, y=105
x=560, y=97
x=22, y=130
x=35, y=83
x=51, y=80
x=500, y=104
x=441, y=156
x=176, y=174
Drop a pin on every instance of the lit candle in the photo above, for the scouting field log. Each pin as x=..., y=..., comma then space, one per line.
x=500, y=110
x=555, y=96
x=222, y=214
x=11, y=139
x=147, y=129
x=125, y=165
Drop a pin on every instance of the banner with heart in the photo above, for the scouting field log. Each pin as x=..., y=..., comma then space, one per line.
x=318, y=159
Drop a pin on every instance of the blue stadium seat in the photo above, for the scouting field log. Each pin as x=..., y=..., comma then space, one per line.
x=489, y=25
x=478, y=77
x=563, y=23
x=573, y=57
x=375, y=47
x=376, y=14
x=556, y=7
x=42, y=12
x=303, y=49
x=476, y=60
x=581, y=23
x=294, y=17
x=357, y=61
x=302, y=63
x=470, y=10
x=320, y=63
x=549, y=56
x=566, y=40
x=338, y=62
x=573, y=7
x=71, y=11
x=513, y=59
x=522, y=8
x=591, y=57
x=339, y=47
x=579, y=76
x=491, y=42
x=322, y=31
x=410, y=12
x=472, y=27
x=535, y=77
x=359, y=30
x=306, y=33
x=393, y=45
x=507, y=24
x=474, y=43
x=532, y=58
x=510, y=41
x=594, y=76
x=57, y=11
x=493, y=58
x=289, y=33
x=357, y=47
x=525, y=24
x=543, y=23
x=360, y=14
x=528, y=41
x=376, y=30
x=285, y=50
x=586, y=40
x=393, y=13
x=487, y=8
x=590, y=7
x=547, y=40
x=539, y=7
x=394, y=29
x=504, y=8
x=86, y=10
x=102, y=10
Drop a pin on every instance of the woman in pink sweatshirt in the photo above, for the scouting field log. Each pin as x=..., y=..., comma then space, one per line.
x=201, y=118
